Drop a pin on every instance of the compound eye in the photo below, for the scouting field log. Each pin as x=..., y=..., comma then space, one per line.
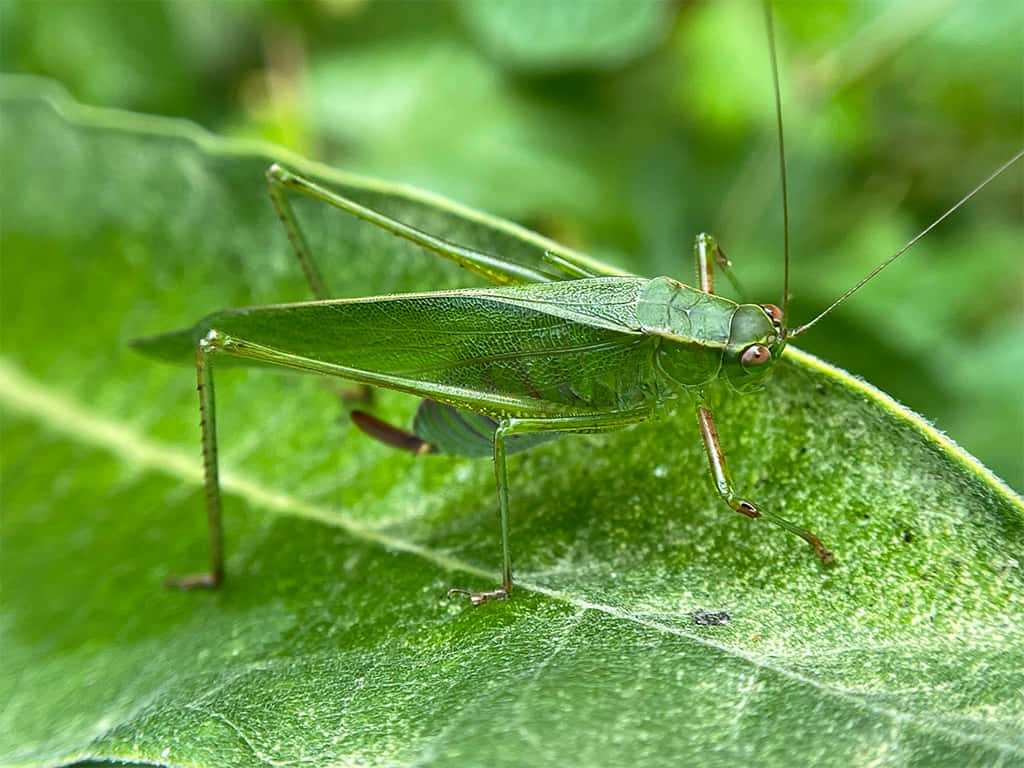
x=773, y=312
x=755, y=354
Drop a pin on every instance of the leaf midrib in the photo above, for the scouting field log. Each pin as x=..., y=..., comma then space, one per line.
x=28, y=396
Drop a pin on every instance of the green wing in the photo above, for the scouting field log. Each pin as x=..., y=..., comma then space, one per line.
x=550, y=348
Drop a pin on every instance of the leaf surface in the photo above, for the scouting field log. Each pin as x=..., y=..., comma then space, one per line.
x=330, y=643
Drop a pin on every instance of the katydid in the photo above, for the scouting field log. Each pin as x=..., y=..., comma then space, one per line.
x=569, y=348
x=564, y=346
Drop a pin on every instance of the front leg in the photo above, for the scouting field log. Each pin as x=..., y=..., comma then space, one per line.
x=724, y=486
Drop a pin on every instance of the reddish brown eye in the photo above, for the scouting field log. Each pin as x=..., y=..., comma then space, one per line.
x=755, y=354
x=773, y=312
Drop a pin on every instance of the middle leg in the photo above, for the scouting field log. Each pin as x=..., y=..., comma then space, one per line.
x=597, y=422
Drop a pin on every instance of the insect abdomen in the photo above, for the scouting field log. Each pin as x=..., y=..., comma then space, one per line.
x=464, y=433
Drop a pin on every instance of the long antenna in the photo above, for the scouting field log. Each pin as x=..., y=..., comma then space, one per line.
x=782, y=158
x=902, y=250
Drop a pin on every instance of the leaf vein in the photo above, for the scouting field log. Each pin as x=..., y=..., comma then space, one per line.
x=60, y=414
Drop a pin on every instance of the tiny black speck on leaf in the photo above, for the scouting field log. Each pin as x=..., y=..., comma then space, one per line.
x=710, y=618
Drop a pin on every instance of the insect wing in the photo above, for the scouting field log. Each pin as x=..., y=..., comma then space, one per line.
x=552, y=348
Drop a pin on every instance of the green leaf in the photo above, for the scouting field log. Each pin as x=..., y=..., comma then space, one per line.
x=330, y=642
x=437, y=112
x=561, y=34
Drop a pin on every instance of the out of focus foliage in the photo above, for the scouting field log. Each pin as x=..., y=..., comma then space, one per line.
x=624, y=128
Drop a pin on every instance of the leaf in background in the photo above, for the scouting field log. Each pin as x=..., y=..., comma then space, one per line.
x=329, y=643
x=561, y=34
x=157, y=56
x=437, y=113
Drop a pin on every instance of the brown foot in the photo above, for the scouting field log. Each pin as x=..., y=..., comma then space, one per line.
x=750, y=510
x=824, y=554
x=477, y=598
x=193, y=581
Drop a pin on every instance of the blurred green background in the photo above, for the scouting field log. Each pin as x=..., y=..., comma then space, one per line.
x=624, y=128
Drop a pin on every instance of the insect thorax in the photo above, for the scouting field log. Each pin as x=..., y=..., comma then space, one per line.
x=693, y=328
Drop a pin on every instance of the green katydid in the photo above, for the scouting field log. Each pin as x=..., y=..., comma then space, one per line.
x=563, y=346
x=568, y=347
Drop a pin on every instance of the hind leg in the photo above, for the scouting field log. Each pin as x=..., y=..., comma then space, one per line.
x=491, y=268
